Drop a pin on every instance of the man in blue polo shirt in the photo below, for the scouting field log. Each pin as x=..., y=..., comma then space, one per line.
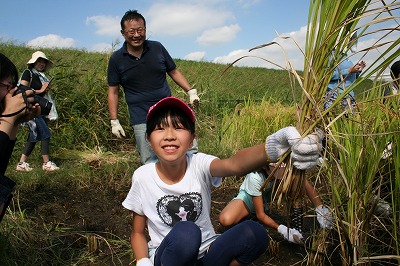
x=140, y=67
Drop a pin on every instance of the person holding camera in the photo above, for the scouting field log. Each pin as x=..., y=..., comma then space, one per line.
x=140, y=67
x=14, y=109
x=35, y=78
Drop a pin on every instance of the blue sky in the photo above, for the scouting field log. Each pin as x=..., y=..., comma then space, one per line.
x=210, y=30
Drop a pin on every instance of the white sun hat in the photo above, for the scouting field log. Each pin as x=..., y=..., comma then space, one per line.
x=39, y=54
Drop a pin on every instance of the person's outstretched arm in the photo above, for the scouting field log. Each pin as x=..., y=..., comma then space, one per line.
x=305, y=153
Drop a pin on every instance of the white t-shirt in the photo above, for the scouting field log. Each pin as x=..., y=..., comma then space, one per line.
x=164, y=205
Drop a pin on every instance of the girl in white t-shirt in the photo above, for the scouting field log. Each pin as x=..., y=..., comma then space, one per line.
x=172, y=197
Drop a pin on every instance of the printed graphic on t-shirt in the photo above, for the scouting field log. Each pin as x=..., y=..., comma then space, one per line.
x=186, y=207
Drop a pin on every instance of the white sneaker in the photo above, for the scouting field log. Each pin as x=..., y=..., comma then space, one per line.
x=24, y=167
x=50, y=166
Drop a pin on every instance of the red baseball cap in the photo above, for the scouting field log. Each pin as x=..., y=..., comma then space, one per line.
x=171, y=101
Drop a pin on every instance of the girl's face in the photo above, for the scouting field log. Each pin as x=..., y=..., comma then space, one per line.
x=40, y=64
x=170, y=143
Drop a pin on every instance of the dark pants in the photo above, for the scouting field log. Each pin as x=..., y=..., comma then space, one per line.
x=6, y=186
x=244, y=242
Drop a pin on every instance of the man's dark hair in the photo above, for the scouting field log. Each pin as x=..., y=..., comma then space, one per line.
x=7, y=69
x=395, y=70
x=131, y=15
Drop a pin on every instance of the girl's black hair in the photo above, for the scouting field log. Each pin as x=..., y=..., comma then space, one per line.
x=178, y=119
x=395, y=70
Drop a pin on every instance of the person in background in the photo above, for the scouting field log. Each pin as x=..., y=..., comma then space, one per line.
x=343, y=76
x=14, y=109
x=252, y=201
x=395, y=74
x=383, y=207
x=140, y=67
x=35, y=78
x=172, y=197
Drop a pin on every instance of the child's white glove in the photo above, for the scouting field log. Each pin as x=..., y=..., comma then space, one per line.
x=117, y=129
x=144, y=262
x=279, y=142
x=193, y=97
x=324, y=217
x=305, y=151
x=292, y=235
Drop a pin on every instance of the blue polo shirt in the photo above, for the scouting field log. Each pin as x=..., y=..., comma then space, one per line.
x=143, y=79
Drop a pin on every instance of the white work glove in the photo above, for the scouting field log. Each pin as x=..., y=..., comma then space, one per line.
x=279, y=142
x=292, y=235
x=324, y=217
x=193, y=98
x=144, y=262
x=305, y=151
x=117, y=129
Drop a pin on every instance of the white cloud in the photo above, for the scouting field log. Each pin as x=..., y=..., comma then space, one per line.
x=105, y=25
x=272, y=56
x=218, y=35
x=51, y=41
x=195, y=56
x=287, y=51
x=184, y=19
x=372, y=56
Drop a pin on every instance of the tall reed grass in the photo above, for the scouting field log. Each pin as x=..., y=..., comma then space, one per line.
x=356, y=173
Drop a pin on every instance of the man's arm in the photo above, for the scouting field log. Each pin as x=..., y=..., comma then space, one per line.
x=113, y=94
x=180, y=79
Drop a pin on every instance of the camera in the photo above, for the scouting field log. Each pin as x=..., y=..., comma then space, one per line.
x=44, y=104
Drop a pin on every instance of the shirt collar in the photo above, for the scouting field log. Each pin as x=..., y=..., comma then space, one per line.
x=145, y=47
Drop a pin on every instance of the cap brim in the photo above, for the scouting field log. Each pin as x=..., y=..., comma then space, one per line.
x=171, y=101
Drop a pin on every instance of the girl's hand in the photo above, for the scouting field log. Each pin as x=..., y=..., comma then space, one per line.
x=45, y=87
x=144, y=262
x=290, y=234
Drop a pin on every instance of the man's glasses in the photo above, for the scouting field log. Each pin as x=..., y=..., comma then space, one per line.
x=132, y=31
x=8, y=86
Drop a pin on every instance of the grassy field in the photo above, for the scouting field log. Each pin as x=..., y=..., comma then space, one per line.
x=74, y=216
